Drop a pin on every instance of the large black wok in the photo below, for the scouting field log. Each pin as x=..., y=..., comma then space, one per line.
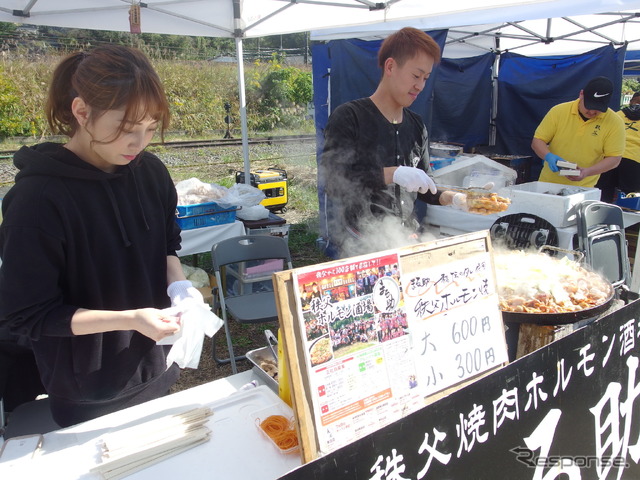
x=561, y=318
x=558, y=318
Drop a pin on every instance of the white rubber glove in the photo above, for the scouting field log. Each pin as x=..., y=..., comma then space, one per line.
x=459, y=202
x=182, y=290
x=414, y=180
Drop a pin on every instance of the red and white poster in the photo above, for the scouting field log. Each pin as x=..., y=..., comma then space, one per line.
x=356, y=341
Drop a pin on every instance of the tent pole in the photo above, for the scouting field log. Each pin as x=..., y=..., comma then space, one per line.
x=243, y=111
x=493, y=134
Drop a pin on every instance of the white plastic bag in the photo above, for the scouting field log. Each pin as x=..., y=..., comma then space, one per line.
x=193, y=191
x=256, y=212
x=242, y=195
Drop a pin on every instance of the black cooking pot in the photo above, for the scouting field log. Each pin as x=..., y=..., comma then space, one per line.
x=561, y=318
x=558, y=318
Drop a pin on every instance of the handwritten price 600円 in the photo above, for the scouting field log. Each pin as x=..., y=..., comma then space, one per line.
x=468, y=328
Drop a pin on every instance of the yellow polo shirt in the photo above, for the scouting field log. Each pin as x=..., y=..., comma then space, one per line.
x=580, y=142
x=632, y=145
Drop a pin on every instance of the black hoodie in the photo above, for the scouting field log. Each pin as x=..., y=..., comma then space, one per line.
x=73, y=236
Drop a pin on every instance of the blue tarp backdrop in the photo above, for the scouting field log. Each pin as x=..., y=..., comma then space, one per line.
x=456, y=104
x=529, y=87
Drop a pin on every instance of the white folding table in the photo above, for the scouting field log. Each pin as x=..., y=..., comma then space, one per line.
x=200, y=240
x=236, y=449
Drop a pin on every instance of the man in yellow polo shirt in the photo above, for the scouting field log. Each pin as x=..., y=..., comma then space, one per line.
x=626, y=177
x=585, y=132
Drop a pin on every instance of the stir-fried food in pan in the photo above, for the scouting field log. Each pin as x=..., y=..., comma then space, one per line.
x=538, y=283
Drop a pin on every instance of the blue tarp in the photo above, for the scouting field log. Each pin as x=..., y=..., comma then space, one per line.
x=462, y=101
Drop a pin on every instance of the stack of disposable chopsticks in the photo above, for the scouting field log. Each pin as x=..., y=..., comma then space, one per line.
x=133, y=448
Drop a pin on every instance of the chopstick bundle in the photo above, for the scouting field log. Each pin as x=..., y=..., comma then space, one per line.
x=133, y=448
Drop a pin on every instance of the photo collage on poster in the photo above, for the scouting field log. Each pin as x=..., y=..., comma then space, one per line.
x=357, y=346
x=341, y=315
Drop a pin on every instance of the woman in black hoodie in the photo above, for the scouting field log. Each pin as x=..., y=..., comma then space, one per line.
x=89, y=238
x=625, y=177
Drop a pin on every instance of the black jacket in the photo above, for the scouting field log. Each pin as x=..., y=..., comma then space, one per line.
x=359, y=143
x=73, y=236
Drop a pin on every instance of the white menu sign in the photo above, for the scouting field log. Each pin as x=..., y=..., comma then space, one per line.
x=456, y=325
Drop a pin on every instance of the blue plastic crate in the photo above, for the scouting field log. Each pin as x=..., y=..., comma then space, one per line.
x=204, y=215
x=632, y=203
x=439, y=162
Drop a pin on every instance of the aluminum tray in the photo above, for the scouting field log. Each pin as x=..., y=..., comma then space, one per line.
x=256, y=357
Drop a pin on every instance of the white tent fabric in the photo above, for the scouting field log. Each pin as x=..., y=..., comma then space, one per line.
x=255, y=18
x=535, y=37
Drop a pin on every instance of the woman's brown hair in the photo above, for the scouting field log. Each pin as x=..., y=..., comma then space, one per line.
x=108, y=77
x=405, y=44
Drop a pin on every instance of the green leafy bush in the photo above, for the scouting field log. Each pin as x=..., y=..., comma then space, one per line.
x=14, y=120
x=277, y=96
x=197, y=91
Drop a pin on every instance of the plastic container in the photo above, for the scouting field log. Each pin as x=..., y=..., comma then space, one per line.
x=204, y=215
x=475, y=171
x=275, y=409
x=632, y=203
x=554, y=202
x=444, y=150
x=520, y=163
x=440, y=162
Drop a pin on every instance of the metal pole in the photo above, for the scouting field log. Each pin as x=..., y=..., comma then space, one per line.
x=238, y=34
x=243, y=112
x=493, y=133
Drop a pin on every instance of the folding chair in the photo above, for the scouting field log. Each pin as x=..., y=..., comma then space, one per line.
x=602, y=239
x=247, y=262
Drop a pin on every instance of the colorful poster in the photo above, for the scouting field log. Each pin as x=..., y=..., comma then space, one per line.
x=357, y=346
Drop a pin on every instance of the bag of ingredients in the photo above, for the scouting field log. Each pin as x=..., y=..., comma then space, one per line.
x=193, y=192
x=241, y=195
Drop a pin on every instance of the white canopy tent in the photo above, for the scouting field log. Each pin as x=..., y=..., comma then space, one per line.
x=241, y=19
x=535, y=37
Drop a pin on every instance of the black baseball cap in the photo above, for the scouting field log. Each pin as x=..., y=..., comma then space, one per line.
x=597, y=94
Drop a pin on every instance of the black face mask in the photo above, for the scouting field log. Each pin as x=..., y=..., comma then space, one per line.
x=632, y=112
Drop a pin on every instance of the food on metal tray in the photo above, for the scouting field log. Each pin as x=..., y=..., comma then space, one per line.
x=486, y=203
x=321, y=351
x=270, y=368
x=537, y=283
x=281, y=430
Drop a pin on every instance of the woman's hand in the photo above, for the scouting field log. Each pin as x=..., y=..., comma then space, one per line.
x=155, y=324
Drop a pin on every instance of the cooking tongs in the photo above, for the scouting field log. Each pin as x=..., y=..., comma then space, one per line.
x=470, y=192
x=272, y=341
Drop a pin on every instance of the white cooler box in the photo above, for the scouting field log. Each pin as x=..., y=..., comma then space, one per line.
x=554, y=202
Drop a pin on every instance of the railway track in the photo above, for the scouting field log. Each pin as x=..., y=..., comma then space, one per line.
x=8, y=171
x=226, y=142
x=223, y=142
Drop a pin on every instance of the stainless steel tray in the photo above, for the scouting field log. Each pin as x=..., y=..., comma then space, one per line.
x=256, y=357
